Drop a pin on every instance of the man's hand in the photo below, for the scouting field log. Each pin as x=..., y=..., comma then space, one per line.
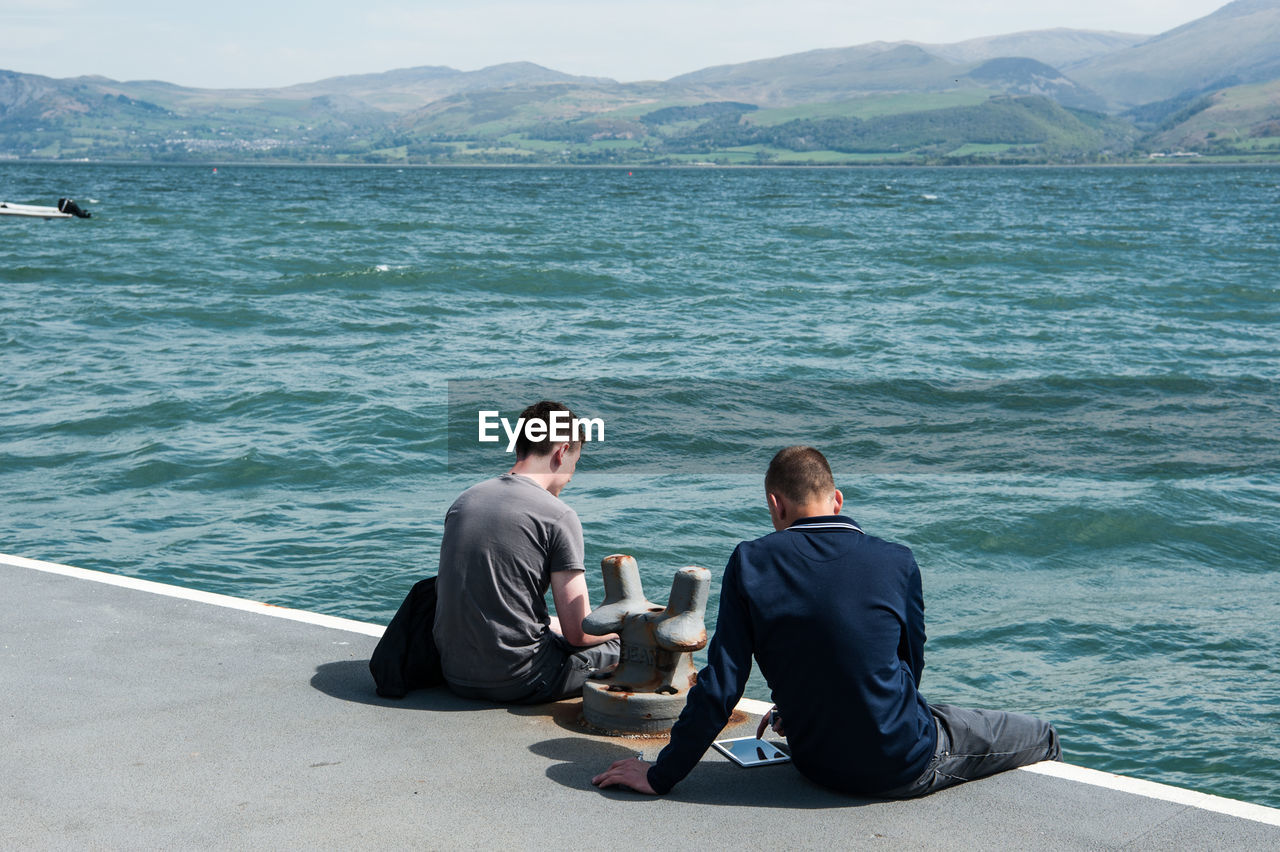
x=631, y=772
x=771, y=719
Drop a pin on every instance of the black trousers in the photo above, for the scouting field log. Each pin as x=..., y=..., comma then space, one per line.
x=559, y=673
x=977, y=743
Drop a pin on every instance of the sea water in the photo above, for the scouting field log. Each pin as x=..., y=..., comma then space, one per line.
x=1057, y=386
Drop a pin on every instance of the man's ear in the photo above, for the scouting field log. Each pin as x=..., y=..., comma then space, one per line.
x=776, y=508
x=839, y=501
x=558, y=454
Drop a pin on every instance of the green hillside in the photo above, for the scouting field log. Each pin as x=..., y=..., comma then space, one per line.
x=1000, y=129
x=88, y=118
x=1240, y=121
x=963, y=127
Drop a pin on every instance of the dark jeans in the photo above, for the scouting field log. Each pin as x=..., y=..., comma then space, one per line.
x=977, y=743
x=559, y=673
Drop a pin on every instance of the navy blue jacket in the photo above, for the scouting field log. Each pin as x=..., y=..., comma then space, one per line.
x=835, y=618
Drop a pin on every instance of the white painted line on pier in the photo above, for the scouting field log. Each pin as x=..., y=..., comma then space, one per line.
x=200, y=597
x=755, y=708
x=1153, y=790
x=1067, y=771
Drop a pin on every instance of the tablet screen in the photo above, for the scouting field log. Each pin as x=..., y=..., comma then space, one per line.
x=749, y=751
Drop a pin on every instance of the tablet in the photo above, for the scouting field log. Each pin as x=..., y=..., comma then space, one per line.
x=749, y=751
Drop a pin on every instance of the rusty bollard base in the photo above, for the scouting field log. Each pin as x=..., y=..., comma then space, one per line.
x=648, y=689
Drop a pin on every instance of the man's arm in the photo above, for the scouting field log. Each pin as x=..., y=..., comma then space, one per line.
x=569, y=591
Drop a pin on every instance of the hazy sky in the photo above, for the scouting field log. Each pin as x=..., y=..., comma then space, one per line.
x=239, y=43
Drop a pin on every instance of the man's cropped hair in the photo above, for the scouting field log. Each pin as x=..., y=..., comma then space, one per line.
x=541, y=411
x=800, y=474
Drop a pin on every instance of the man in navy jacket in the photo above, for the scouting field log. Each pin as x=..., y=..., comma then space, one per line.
x=835, y=619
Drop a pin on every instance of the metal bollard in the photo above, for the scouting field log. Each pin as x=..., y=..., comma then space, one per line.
x=647, y=691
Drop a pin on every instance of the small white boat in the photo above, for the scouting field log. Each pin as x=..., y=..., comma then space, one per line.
x=66, y=209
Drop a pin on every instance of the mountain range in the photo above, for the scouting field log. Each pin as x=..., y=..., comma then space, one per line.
x=1210, y=88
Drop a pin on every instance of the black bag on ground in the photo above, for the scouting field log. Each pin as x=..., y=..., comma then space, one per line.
x=406, y=657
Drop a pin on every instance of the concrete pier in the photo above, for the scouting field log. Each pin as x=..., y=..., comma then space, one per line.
x=138, y=715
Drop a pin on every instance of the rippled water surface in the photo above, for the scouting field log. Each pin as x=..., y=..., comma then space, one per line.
x=1059, y=387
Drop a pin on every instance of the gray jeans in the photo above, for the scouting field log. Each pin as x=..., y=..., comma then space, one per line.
x=558, y=674
x=977, y=743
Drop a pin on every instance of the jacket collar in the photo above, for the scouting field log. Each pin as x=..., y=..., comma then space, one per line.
x=825, y=522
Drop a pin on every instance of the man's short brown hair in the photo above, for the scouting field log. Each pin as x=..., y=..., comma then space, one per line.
x=800, y=474
x=541, y=411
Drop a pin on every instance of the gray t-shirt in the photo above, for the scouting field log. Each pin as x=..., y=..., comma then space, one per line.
x=502, y=540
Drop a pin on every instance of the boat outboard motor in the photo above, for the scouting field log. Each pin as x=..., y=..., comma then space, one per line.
x=66, y=205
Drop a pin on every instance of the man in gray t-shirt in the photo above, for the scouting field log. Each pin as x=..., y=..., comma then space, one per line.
x=506, y=541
